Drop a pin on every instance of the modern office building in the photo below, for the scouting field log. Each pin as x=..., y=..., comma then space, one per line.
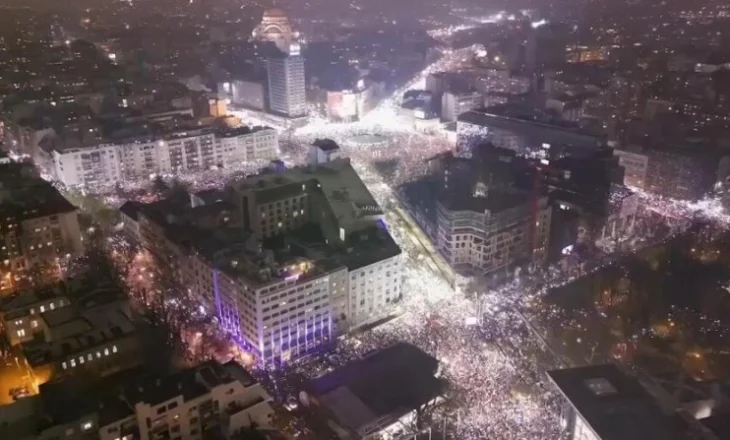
x=287, y=93
x=40, y=228
x=287, y=259
x=480, y=234
x=210, y=400
x=476, y=215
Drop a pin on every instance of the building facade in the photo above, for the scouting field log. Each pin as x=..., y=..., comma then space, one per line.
x=493, y=234
x=211, y=400
x=454, y=104
x=338, y=268
x=39, y=230
x=287, y=93
x=140, y=158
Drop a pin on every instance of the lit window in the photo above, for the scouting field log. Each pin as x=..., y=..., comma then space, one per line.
x=114, y=348
x=86, y=426
x=34, y=324
x=53, y=306
x=73, y=362
x=21, y=333
x=89, y=357
x=81, y=359
x=63, y=364
x=106, y=352
x=98, y=355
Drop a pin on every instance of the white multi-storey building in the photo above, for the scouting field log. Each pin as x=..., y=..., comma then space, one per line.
x=374, y=288
x=87, y=166
x=285, y=302
x=39, y=228
x=141, y=157
x=244, y=145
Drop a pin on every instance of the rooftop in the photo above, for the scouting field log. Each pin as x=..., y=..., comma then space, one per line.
x=348, y=198
x=120, y=132
x=508, y=115
x=326, y=145
x=379, y=388
x=114, y=398
x=495, y=201
x=616, y=406
x=24, y=195
x=190, y=383
x=79, y=334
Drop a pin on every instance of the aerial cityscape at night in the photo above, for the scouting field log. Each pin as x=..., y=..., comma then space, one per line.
x=414, y=220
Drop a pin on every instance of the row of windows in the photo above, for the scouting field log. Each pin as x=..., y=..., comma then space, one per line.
x=89, y=357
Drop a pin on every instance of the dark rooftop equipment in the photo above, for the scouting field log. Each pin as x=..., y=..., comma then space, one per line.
x=616, y=406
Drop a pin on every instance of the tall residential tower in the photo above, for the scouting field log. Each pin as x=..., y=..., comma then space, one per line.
x=286, y=84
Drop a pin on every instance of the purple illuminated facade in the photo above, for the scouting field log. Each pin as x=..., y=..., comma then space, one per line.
x=279, y=322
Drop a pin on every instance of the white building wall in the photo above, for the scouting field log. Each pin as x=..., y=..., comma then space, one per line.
x=91, y=167
x=372, y=291
x=107, y=164
x=293, y=317
x=258, y=145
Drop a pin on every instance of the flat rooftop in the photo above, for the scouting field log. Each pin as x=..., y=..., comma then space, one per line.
x=349, y=199
x=494, y=201
x=616, y=406
x=74, y=334
x=24, y=195
x=511, y=117
x=379, y=388
x=189, y=383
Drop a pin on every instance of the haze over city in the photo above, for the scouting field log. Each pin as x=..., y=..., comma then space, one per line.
x=370, y=220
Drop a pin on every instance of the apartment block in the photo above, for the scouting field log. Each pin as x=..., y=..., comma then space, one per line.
x=211, y=400
x=40, y=228
x=141, y=153
x=82, y=326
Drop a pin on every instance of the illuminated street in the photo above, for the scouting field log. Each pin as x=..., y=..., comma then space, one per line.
x=492, y=356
